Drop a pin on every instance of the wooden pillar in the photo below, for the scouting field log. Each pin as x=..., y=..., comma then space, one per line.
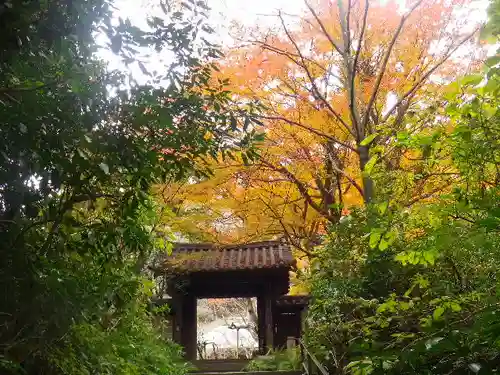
x=268, y=313
x=303, y=320
x=261, y=323
x=189, y=339
x=177, y=302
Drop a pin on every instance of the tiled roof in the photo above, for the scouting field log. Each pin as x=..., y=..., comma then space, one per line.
x=191, y=258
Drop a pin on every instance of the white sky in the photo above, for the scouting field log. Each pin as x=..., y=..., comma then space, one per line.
x=248, y=12
x=224, y=13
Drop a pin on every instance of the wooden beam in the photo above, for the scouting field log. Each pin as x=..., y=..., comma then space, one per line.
x=226, y=284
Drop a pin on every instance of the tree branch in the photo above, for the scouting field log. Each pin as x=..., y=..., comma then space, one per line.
x=349, y=178
x=315, y=90
x=301, y=187
x=429, y=194
x=287, y=233
x=7, y=90
x=356, y=56
x=312, y=130
x=384, y=63
x=427, y=75
x=323, y=28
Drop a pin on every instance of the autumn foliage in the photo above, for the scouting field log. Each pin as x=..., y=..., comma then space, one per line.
x=338, y=84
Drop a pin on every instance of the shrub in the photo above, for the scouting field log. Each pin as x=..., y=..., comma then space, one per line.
x=278, y=360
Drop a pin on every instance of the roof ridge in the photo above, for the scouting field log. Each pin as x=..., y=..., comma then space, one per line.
x=215, y=246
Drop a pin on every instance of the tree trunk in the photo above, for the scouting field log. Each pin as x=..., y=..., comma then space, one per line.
x=364, y=157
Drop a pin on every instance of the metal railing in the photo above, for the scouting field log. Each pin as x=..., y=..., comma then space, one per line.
x=309, y=361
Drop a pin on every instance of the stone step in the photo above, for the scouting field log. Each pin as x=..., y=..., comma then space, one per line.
x=220, y=365
x=231, y=367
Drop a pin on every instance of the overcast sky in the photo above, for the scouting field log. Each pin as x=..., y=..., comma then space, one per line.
x=247, y=13
x=223, y=14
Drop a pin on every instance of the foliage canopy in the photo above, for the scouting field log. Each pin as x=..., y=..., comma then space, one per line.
x=81, y=147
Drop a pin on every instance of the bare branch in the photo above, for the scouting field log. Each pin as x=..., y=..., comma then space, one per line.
x=349, y=178
x=301, y=187
x=384, y=63
x=348, y=27
x=358, y=51
x=345, y=130
x=316, y=92
x=428, y=74
x=292, y=56
x=290, y=236
x=323, y=28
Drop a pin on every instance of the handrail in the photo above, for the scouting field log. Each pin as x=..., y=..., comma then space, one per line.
x=309, y=359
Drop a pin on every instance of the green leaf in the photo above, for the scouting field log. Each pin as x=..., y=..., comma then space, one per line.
x=371, y=163
x=391, y=236
x=160, y=243
x=429, y=257
x=431, y=342
x=368, y=139
x=382, y=207
x=383, y=245
x=76, y=85
x=489, y=222
x=259, y=137
x=402, y=257
x=104, y=167
x=375, y=236
x=436, y=315
x=472, y=79
x=82, y=154
x=403, y=138
x=492, y=61
x=244, y=158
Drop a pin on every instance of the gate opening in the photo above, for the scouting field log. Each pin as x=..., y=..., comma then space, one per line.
x=227, y=328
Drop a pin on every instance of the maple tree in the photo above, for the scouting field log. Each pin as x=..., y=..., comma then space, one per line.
x=238, y=204
x=338, y=86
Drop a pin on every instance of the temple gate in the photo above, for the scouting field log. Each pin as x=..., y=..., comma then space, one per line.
x=258, y=270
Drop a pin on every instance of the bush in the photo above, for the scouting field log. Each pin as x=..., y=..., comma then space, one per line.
x=131, y=345
x=279, y=360
x=434, y=315
x=415, y=290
